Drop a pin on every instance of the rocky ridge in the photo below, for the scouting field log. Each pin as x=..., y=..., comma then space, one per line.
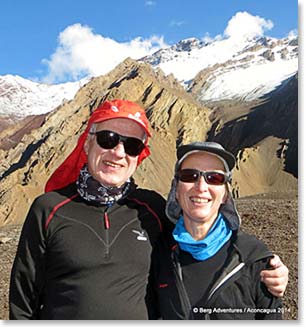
x=265, y=140
x=264, y=136
x=174, y=115
x=21, y=97
x=246, y=68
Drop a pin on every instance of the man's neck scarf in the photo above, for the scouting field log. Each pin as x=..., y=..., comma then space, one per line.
x=93, y=191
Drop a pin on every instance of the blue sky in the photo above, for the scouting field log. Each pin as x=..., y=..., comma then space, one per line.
x=62, y=40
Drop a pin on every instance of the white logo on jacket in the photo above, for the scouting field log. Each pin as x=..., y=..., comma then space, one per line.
x=141, y=236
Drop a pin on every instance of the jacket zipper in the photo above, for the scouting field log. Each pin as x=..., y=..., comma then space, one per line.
x=107, y=227
x=184, y=296
x=186, y=305
x=223, y=280
x=232, y=269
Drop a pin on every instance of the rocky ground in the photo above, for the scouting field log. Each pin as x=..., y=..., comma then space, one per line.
x=272, y=219
x=275, y=221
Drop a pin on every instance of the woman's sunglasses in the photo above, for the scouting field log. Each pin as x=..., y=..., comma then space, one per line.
x=193, y=175
x=109, y=140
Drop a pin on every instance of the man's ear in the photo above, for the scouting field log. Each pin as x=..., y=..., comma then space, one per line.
x=86, y=146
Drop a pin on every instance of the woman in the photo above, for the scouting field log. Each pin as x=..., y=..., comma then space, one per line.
x=209, y=268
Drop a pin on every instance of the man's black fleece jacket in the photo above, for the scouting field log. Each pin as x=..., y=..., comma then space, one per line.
x=76, y=260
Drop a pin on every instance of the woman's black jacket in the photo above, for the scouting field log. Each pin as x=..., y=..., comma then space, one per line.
x=237, y=294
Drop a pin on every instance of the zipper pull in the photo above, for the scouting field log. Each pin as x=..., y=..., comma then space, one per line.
x=106, y=220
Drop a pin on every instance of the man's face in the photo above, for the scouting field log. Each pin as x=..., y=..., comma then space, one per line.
x=113, y=167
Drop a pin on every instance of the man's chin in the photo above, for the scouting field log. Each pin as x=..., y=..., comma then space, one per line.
x=111, y=182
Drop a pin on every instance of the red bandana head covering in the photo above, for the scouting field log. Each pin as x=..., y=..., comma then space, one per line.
x=69, y=170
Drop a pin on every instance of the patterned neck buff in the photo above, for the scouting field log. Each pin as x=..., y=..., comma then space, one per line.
x=93, y=191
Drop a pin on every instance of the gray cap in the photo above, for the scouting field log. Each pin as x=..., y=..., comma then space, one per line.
x=212, y=147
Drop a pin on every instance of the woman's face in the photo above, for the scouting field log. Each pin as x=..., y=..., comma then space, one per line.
x=200, y=201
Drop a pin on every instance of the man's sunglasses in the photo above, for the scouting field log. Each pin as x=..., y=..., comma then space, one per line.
x=109, y=140
x=193, y=175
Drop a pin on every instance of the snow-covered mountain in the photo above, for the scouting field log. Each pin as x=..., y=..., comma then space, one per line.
x=231, y=68
x=21, y=97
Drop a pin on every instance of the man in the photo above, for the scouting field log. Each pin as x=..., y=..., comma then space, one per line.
x=84, y=251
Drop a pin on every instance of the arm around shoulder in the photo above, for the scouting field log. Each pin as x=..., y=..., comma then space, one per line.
x=269, y=307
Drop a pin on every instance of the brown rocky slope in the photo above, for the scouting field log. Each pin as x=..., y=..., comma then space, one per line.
x=263, y=135
x=175, y=117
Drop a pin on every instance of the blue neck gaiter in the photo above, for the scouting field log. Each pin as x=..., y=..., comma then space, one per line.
x=201, y=250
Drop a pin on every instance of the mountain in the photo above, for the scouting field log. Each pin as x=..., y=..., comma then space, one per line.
x=260, y=130
x=223, y=69
x=26, y=166
x=20, y=97
x=263, y=135
x=229, y=68
x=258, y=123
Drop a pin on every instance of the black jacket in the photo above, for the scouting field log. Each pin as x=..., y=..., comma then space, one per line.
x=237, y=294
x=76, y=260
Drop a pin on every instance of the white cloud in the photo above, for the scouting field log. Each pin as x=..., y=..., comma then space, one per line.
x=81, y=52
x=292, y=34
x=176, y=23
x=149, y=3
x=244, y=24
x=208, y=39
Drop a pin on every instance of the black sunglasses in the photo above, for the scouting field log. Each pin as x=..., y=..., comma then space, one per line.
x=109, y=140
x=193, y=175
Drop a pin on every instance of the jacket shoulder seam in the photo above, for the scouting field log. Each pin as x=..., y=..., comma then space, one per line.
x=56, y=207
x=146, y=205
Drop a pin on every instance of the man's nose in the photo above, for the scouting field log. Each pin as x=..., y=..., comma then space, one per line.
x=119, y=150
